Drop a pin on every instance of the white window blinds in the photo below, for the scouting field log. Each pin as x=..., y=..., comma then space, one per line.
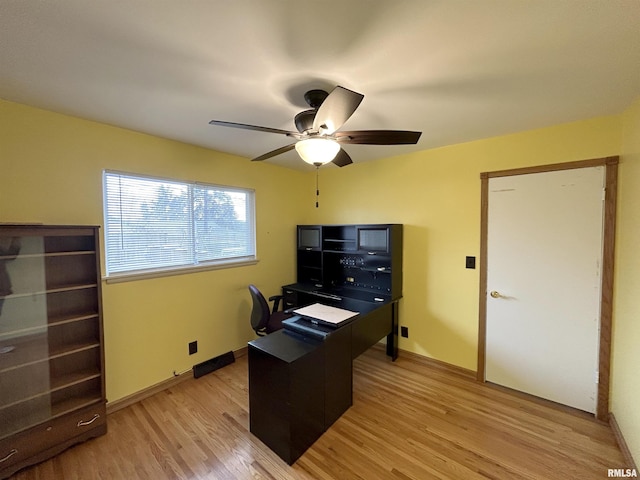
x=156, y=224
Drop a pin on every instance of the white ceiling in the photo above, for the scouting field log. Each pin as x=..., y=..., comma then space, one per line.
x=456, y=70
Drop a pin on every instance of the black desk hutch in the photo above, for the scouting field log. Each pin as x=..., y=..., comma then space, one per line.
x=299, y=385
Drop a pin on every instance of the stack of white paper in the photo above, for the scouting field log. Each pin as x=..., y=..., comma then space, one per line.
x=326, y=313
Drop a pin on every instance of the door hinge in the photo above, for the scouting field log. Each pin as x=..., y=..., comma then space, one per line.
x=597, y=376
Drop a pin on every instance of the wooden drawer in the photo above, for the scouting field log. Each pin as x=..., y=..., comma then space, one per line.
x=40, y=442
x=290, y=298
x=76, y=423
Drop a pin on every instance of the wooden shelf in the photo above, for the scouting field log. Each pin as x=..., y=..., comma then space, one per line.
x=37, y=350
x=374, y=270
x=57, y=289
x=72, y=404
x=56, y=385
x=48, y=255
x=38, y=329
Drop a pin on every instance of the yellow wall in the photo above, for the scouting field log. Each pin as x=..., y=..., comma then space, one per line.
x=51, y=172
x=436, y=195
x=625, y=383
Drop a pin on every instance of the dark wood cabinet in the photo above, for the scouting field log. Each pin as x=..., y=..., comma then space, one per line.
x=52, y=392
x=286, y=399
x=297, y=389
x=359, y=261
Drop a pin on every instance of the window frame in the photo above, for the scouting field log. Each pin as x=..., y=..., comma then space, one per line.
x=197, y=265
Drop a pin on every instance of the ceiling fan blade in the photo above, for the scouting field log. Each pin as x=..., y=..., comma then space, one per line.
x=379, y=137
x=254, y=127
x=273, y=153
x=336, y=109
x=342, y=159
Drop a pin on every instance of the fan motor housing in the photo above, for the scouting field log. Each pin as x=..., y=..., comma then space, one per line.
x=304, y=120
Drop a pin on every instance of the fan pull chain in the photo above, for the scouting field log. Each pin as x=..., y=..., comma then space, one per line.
x=317, y=188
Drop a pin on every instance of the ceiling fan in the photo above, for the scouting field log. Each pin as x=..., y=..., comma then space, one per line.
x=318, y=140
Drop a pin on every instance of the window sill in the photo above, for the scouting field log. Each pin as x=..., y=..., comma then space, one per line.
x=166, y=272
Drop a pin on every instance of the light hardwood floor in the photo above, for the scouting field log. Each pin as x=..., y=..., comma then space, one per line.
x=410, y=420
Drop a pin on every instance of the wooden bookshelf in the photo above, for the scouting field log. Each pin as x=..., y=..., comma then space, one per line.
x=52, y=387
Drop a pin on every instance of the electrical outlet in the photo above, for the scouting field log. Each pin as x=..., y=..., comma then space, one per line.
x=193, y=347
x=404, y=332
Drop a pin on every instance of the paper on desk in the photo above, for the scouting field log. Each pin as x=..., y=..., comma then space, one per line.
x=326, y=313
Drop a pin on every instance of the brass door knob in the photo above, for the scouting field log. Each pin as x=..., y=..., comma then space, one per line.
x=495, y=294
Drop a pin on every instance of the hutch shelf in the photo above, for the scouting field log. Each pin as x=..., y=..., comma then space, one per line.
x=354, y=261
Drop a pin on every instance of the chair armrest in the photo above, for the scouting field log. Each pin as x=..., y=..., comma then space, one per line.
x=276, y=302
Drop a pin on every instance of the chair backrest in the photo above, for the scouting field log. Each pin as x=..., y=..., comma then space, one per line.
x=260, y=312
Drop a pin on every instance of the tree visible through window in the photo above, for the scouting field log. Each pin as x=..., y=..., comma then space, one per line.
x=155, y=224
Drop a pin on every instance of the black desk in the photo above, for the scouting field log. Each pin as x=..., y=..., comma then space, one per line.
x=299, y=386
x=367, y=333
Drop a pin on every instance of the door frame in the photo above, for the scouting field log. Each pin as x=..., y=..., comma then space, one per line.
x=606, y=300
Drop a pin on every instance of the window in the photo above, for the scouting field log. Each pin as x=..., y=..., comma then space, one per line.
x=154, y=225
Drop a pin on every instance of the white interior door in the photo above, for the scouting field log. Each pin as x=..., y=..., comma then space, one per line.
x=544, y=257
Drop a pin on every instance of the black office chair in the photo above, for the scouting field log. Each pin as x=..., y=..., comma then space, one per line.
x=263, y=320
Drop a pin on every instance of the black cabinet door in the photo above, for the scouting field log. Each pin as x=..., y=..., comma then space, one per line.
x=373, y=239
x=309, y=237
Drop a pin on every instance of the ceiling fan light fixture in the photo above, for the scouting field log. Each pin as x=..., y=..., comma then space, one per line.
x=319, y=139
x=317, y=151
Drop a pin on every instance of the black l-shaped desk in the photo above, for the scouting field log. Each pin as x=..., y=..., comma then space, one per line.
x=299, y=385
